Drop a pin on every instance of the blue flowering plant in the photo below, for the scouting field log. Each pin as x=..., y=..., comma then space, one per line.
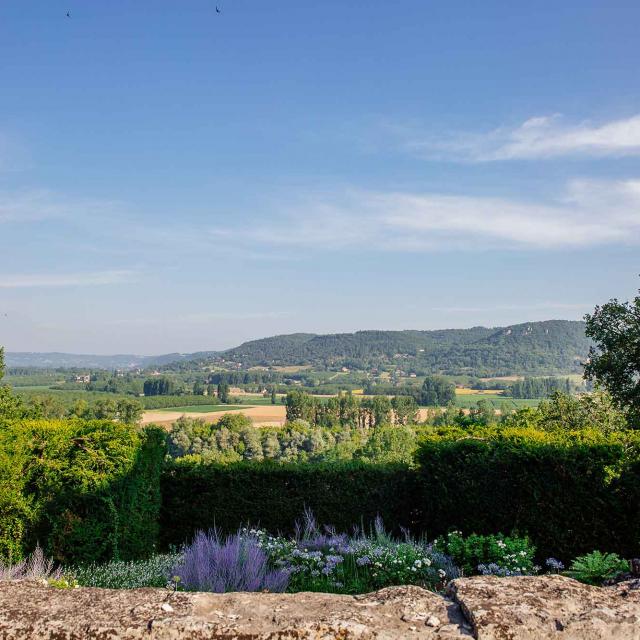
x=319, y=559
x=489, y=554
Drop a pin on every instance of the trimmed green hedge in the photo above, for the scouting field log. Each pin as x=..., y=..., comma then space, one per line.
x=274, y=496
x=84, y=490
x=91, y=490
x=569, y=492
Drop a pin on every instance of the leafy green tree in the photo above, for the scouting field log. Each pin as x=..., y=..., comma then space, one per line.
x=10, y=405
x=45, y=407
x=271, y=446
x=250, y=438
x=159, y=386
x=106, y=409
x=381, y=410
x=348, y=410
x=198, y=388
x=437, y=391
x=223, y=392
x=300, y=406
x=388, y=445
x=449, y=417
x=129, y=411
x=80, y=409
x=483, y=413
x=405, y=409
x=562, y=412
x=614, y=360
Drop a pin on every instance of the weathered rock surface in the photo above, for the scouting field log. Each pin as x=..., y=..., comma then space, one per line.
x=33, y=611
x=547, y=607
x=483, y=607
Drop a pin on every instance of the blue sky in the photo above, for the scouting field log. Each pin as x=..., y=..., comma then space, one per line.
x=172, y=179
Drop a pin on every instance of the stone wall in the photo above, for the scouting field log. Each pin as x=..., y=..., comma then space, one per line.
x=482, y=607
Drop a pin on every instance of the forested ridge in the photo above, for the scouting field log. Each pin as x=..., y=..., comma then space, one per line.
x=536, y=347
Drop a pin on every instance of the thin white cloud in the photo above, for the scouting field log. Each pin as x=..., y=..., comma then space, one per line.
x=539, y=306
x=42, y=204
x=206, y=318
x=78, y=279
x=232, y=315
x=538, y=137
x=587, y=213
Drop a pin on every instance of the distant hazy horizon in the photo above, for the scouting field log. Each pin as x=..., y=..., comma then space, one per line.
x=177, y=179
x=250, y=339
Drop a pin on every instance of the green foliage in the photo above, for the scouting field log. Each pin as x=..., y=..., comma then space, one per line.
x=348, y=411
x=223, y=392
x=405, y=409
x=159, y=386
x=169, y=402
x=132, y=574
x=200, y=496
x=85, y=490
x=389, y=444
x=539, y=387
x=437, y=391
x=535, y=348
x=10, y=406
x=234, y=438
x=65, y=582
x=568, y=491
x=596, y=567
x=614, y=361
x=569, y=413
x=121, y=410
x=509, y=555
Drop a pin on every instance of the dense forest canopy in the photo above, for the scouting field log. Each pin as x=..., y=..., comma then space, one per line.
x=553, y=346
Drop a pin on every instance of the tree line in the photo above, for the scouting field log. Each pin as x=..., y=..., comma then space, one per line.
x=348, y=410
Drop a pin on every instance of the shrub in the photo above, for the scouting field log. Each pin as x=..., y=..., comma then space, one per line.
x=132, y=574
x=234, y=563
x=568, y=492
x=86, y=490
x=596, y=567
x=491, y=554
x=35, y=567
x=322, y=560
x=200, y=497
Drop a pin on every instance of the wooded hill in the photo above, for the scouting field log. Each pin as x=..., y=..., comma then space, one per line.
x=533, y=348
x=552, y=346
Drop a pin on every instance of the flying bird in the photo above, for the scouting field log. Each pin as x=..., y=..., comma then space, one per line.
x=218, y=10
x=68, y=14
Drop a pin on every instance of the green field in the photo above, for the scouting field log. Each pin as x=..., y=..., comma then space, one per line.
x=467, y=402
x=42, y=388
x=204, y=408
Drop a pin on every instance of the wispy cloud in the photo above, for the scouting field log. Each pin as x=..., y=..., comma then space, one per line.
x=538, y=306
x=232, y=315
x=587, y=213
x=538, y=137
x=79, y=279
x=42, y=204
x=200, y=318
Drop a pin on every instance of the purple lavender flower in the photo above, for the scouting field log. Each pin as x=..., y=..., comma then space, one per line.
x=235, y=563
